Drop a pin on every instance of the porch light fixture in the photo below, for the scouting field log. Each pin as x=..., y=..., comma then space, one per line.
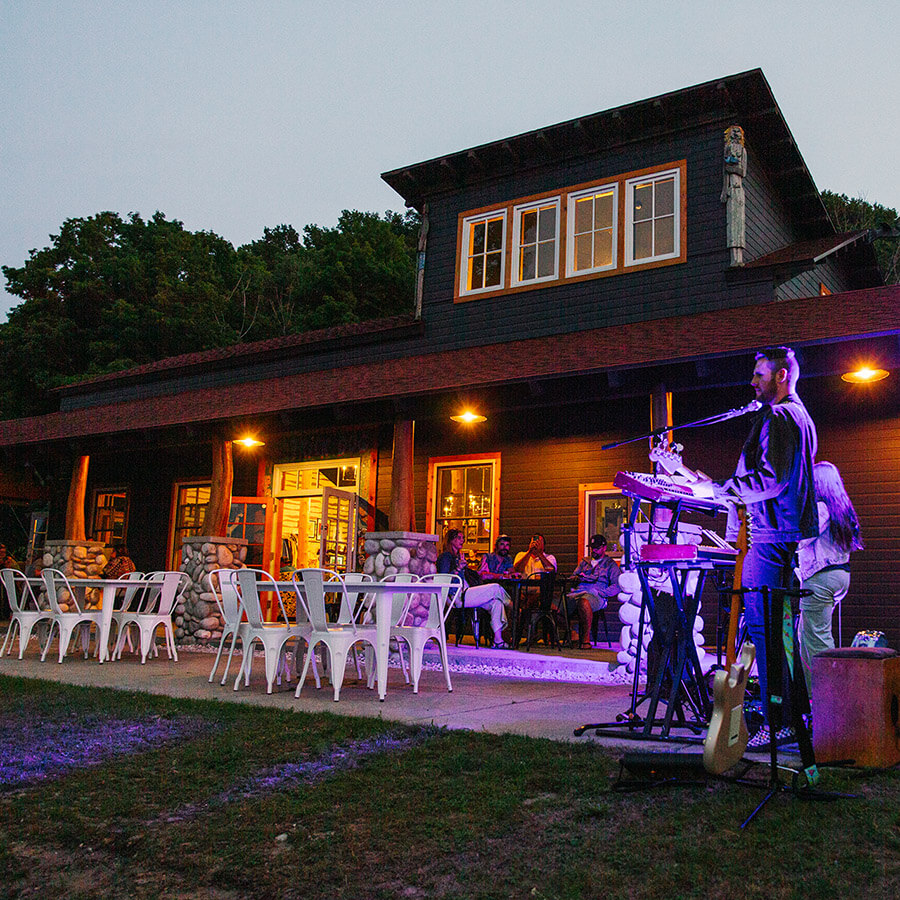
x=250, y=442
x=467, y=417
x=865, y=375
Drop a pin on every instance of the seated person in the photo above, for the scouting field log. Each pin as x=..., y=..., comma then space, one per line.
x=597, y=580
x=119, y=564
x=491, y=597
x=498, y=564
x=535, y=559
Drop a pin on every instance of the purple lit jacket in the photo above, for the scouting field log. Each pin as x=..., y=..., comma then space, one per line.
x=774, y=476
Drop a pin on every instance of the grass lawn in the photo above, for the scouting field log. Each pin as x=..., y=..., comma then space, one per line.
x=112, y=794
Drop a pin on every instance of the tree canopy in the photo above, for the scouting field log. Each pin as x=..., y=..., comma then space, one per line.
x=109, y=293
x=854, y=214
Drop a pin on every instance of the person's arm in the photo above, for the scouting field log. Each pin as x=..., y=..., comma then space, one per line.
x=612, y=587
x=548, y=560
x=522, y=560
x=778, y=444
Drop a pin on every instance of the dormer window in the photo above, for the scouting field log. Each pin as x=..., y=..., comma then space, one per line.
x=652, y=218
x=484, y=237
x=536, y=242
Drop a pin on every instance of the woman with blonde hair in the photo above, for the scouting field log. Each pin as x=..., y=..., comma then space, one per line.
x=825, y=562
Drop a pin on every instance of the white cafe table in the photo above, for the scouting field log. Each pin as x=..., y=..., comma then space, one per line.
x=383, y=592
x=108, y=588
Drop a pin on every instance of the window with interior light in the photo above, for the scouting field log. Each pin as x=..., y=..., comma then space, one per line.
x=652, y=217
x=591, y=237
x=464, y=493
x=189, y=503
x=109, y=522
x=535, y=241
x=484, y=259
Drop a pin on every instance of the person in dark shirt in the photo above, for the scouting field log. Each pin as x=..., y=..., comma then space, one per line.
x=498, y=564
x=774, y=480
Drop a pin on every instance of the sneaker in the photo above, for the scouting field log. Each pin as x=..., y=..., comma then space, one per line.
x=761, y=739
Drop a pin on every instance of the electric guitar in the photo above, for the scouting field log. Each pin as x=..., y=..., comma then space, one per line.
x=727, y=736
x=737, y=601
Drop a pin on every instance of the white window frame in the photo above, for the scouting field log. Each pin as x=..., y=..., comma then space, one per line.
x=571, y=200
x=629, y=217
x=516, y=249
x=468, y=223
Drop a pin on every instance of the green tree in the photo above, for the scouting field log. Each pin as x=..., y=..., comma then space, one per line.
x=856, y=213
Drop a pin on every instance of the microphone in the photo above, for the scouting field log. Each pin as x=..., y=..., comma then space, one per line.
x=751, y=407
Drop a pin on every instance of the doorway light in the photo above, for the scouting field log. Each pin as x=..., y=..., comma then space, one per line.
x=865, y=375
x=250, y=442
x=467, y=417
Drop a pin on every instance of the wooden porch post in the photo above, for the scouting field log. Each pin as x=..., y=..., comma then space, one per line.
x=402, y=515
x=215, y=523
x=75, y=504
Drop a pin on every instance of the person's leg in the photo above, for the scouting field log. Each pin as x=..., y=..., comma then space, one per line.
x=828, y=588
x=765, y=564
x=490, y=597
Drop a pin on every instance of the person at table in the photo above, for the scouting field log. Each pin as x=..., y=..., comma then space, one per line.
x=498, y=564
x=119, y=564
x=535, y=559
x=596, y=580
x=490, y=597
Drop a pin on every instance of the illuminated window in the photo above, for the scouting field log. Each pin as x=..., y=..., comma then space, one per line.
x=484, y=239
x=190, y=505
x=652, y=217
x=603, y=509
x=535, y=242
x=109, y=522
x=463, y=493
x=592, y=220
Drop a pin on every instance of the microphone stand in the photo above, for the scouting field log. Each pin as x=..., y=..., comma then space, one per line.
x=753, y=406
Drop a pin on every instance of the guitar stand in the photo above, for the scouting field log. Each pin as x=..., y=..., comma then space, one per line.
x=679, y=661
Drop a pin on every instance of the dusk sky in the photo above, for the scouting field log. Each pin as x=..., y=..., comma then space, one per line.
x=236, y=116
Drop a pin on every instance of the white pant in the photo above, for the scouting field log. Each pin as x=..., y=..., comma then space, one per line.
x=493, y=598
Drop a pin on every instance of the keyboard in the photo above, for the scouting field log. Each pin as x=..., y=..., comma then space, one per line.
x=662, y=489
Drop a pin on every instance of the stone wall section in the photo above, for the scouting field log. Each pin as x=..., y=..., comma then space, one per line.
x=76, y=559
x=392, y=552
x=196, y=616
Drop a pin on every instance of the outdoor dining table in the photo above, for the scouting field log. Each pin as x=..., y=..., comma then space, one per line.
x=383, y=592
x=108, y=588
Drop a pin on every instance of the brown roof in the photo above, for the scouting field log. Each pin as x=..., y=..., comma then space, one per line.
x=809, y=252
x=863, y=313
x=313, y=341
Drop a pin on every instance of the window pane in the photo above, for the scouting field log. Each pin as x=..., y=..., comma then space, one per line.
x=643, y=201
x=603, y=210
x=546, y=257
x=477, y=238
x=547, y=229
x=665, y=235
x=583, y=258
x=529, y=227
x=495, y=234
x=583, y=215
x=665, y=197
x=643, y=240
x=602, y=248
x=527, y=268
x=492, y=270
x=476, y=273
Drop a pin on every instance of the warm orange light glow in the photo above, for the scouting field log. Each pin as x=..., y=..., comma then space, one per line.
x=865, y=375
x=249, y=442
x=467, y=417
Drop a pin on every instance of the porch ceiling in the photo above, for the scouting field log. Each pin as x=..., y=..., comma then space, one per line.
x=703, y=350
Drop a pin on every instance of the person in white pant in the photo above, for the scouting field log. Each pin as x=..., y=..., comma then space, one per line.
x=491, y=597
x=825, y=562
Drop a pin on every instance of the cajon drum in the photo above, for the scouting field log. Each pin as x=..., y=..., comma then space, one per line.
x=855, y=694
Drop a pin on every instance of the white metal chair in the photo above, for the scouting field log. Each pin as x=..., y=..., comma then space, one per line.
x=338, y=637
x=26, y=612
x=67, y=613
x=132, y=597
x=399, y=607
x=434, y=628
x=273, y=636
x=223, y=587
x=154, y=611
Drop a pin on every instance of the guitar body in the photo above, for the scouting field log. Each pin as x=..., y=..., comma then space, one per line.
x=727, y=736
x=737, y=603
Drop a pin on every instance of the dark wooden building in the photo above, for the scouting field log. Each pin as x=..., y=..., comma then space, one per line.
x=567, y=276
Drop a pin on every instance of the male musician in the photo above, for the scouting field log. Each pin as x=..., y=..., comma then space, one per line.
x=774, y=479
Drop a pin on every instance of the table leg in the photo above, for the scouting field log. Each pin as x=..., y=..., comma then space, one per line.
x=383, y=604
x=108, y=601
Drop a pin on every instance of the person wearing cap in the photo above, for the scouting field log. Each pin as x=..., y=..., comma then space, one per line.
x=597, y=579
x=498, y=564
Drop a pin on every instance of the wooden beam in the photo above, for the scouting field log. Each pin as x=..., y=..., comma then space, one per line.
x=215, y=522
x=402, y=515
x=75, y=505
